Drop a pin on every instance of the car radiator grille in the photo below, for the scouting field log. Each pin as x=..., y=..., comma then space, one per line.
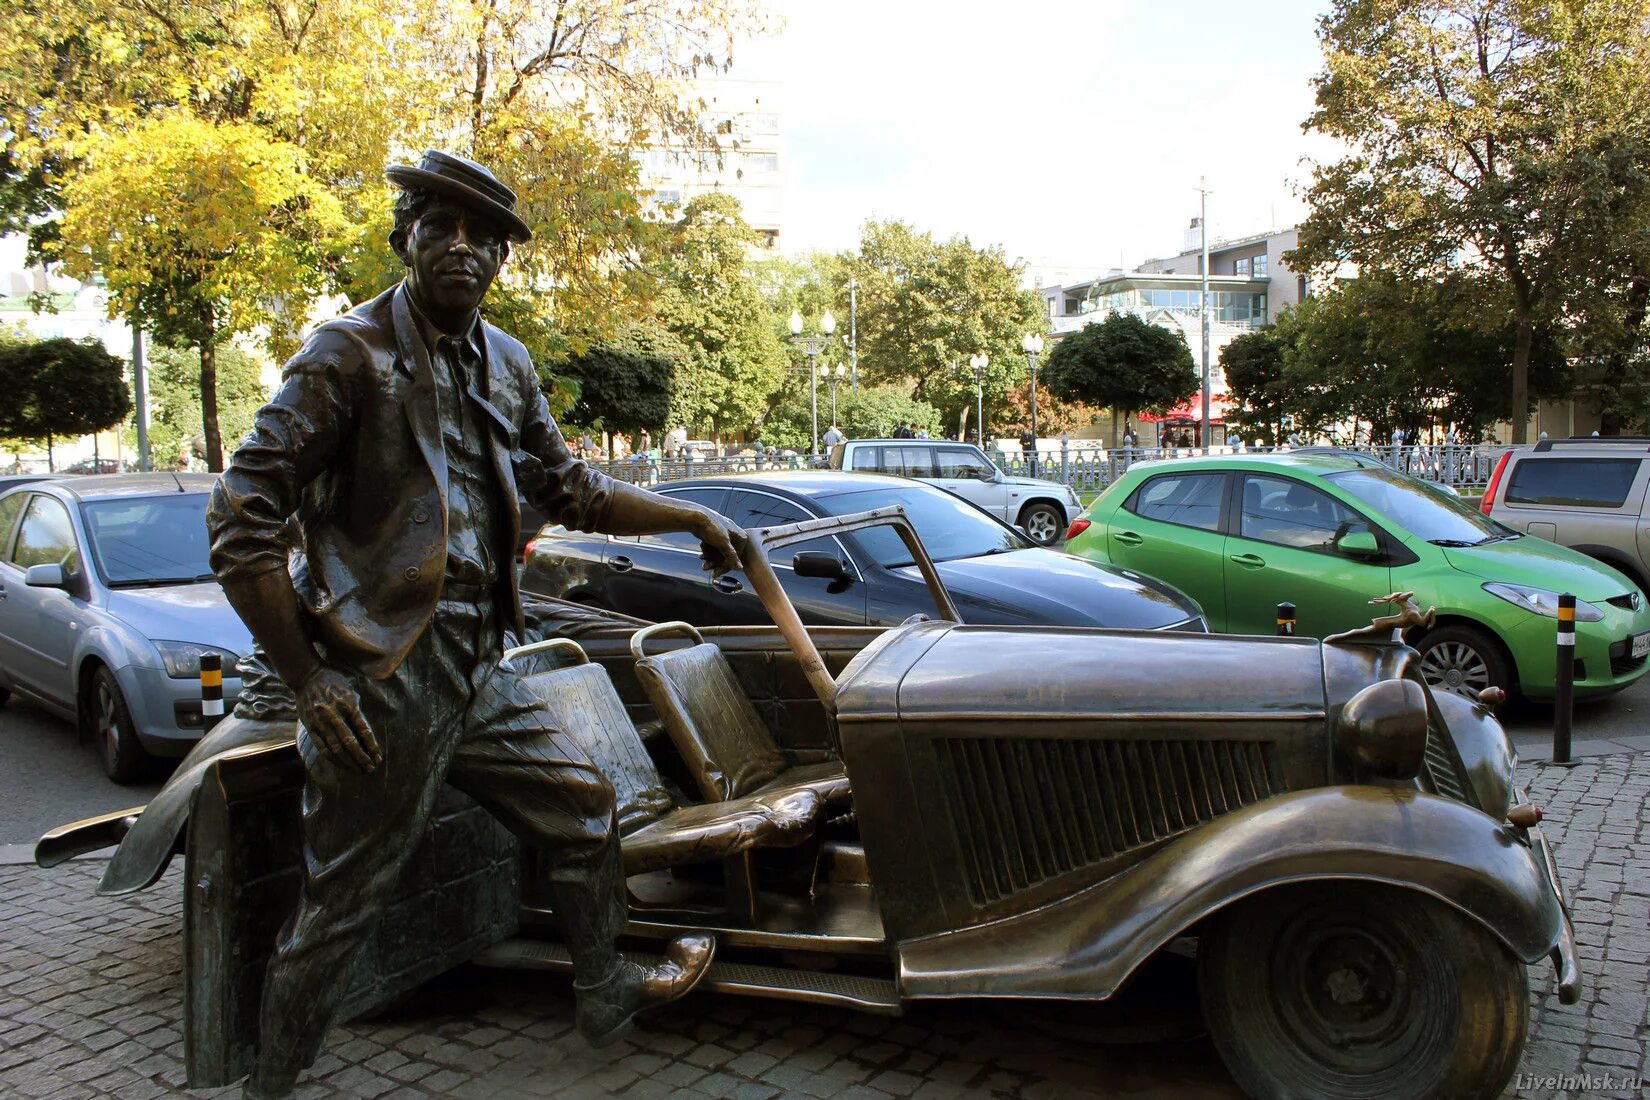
x=1621, y=666
x=1027, y=810
x=1443, y=773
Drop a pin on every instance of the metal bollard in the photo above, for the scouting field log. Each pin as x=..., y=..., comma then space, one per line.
x=211, y=688
x=1564, y=689
x=1286, y=620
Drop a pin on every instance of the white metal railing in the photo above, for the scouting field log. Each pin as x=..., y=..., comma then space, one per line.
x=1088, y=468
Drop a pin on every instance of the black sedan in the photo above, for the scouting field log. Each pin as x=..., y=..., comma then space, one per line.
x=996, y=574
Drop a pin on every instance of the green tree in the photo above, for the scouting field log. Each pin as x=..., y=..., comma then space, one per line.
x=60, y=387
x=713, y=306
x=1502, y=137
x=175, y=426
x=1122, y=363
x=1403, y=354
x=1254, y=369
x=561, y=98
x=202, y=231
x=926, y=306
x=625, y=383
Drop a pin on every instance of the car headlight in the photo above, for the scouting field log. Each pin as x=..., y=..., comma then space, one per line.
x=1383, y=729
x=1539, y=601
x=183, y=659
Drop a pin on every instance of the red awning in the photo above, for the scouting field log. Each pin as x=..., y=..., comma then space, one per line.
x=1190, y=411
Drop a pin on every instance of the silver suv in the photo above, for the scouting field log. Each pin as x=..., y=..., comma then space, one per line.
x=1584, y=493
x=1042, y=509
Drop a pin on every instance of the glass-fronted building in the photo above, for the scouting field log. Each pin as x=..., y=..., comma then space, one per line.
x=1232, y=300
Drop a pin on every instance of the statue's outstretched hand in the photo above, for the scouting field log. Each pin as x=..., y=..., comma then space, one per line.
x=717, y=540
x=331, y=713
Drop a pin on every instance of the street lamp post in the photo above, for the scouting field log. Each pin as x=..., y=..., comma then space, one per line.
x=853, y=330
x=835, y=379
x=811, y=346
x=978, y=362
x=1033, y=345
x=1203, y=300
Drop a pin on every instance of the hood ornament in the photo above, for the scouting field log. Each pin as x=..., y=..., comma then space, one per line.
x=1391, y=627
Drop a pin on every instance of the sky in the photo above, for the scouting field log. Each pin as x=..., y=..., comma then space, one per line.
x=1071, y=134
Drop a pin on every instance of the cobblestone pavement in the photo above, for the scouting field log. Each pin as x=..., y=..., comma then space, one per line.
x=90, y=1003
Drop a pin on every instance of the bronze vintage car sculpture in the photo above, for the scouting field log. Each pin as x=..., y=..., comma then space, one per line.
x=875, y=816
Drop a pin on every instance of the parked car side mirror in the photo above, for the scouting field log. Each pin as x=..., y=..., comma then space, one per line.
x=989, y=474
x=45, y=576
x=1359, y=544
x=812, y=563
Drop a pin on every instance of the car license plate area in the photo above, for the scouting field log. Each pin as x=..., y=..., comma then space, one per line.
x=1638, y=645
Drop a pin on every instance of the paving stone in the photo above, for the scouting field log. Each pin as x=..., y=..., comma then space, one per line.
x=91, y=994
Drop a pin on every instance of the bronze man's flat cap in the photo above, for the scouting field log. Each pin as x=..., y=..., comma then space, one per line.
x=466, y=182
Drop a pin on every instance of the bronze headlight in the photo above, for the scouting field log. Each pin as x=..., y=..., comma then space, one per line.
x=1383, y=729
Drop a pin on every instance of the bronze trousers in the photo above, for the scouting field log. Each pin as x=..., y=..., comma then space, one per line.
x=450, y=713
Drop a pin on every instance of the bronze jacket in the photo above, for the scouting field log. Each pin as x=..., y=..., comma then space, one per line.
x=351, y=444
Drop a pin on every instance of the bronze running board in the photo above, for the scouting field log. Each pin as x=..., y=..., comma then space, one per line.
x=877, y=995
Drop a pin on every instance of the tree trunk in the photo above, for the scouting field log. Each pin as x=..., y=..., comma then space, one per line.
x=51, y=462
x=209, y=406
x=1523, y=342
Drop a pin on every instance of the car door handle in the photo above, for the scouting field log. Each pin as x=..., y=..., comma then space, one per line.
x=621, y=564
x=1250, y=560
x=727, y=584
x=1128, y=538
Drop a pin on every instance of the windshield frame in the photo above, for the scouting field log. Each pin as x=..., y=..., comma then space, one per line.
x=94, y=546
x=1447, y=507
x=864, y=499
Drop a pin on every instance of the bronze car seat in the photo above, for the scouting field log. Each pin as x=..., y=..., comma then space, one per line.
x=716, y=728
x=654, y=832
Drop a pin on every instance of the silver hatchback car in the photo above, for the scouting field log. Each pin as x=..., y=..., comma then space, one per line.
x=106, y=605
x=1591, y=494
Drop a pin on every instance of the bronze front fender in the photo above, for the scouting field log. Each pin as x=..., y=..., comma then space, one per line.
x=1086, y=945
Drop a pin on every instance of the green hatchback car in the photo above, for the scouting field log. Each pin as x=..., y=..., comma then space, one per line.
x=1328, y=533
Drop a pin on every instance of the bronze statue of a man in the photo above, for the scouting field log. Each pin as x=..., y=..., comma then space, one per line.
x=400, y=438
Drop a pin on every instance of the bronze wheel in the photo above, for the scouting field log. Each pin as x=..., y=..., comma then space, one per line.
x=108, y=723
x=1353, y=989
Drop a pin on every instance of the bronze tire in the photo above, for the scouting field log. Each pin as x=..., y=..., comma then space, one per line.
x=1358, y=990
x=108, y=723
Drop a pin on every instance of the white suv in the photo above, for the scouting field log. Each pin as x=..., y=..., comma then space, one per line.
x=1042, y=509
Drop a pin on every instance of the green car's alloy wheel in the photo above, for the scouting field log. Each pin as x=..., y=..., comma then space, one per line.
x=1463, y=660
x=107, y=721
x=1360, y=990
x=1043, y=523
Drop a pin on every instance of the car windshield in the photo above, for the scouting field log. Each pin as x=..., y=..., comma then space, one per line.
x=949, y=527
x=1431, y=513
x=144, y=541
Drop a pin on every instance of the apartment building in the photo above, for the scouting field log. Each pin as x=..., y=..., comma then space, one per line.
x=745, y=116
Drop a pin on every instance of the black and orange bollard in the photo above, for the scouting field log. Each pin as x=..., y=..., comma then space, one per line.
x=211, y=689
x=1564, y=686
x=1286, y=620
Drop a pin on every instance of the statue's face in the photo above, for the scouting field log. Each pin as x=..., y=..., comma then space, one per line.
x=452, y=256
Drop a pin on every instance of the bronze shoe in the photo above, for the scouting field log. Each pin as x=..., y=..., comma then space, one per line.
x=607, y=1009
